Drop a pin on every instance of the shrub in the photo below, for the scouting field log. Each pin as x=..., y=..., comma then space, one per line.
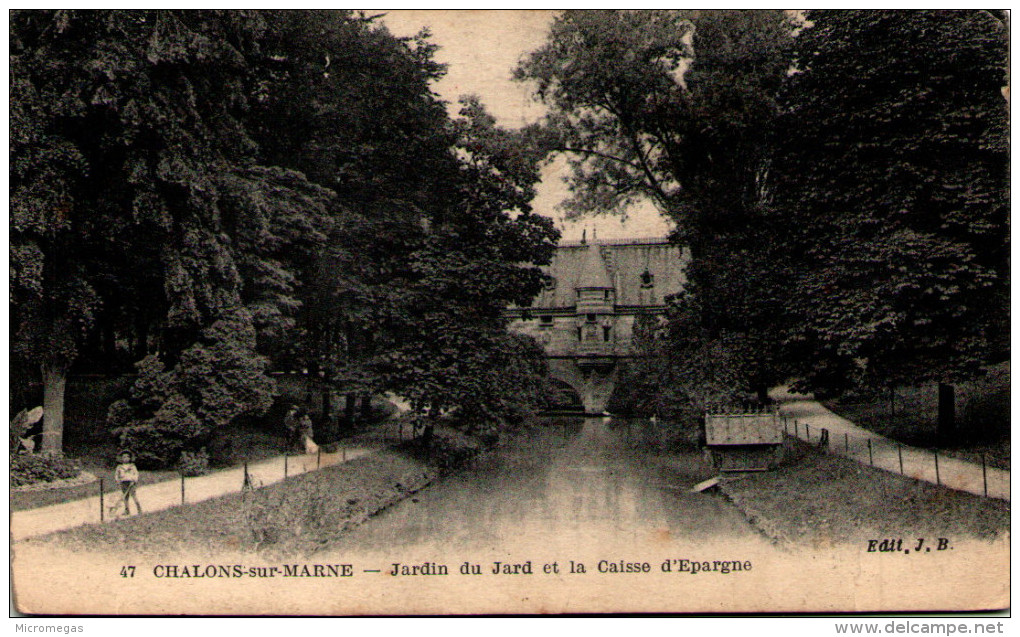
x=18, y=428
x=447, y=452
x=31, y=468
x=193, y=463
x=216, y=380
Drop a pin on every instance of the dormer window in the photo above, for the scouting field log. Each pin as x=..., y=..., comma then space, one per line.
x=647, y=279
x=605, y=294
x=550, y=283
x=545, y=320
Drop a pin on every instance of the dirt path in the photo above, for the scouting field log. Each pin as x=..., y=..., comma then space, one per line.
x=164, y=495
x=806, y=419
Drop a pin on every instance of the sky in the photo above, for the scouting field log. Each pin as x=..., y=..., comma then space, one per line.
x=480, y=48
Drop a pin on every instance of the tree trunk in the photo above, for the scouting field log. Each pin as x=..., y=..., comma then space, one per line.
x=947, y=412
x=350, y=410
x=54, y=381
x=366, y=406
x=763, y=393
x=328, y=423
x=109, y=345
x=327, y=402
x=141, y=337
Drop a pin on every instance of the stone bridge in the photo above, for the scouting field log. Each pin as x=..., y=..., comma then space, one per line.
x=584, y=318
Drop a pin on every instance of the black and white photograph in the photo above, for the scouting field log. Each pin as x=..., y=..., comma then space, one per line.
x=510, y=312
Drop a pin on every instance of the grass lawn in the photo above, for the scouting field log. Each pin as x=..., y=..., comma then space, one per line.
x=982, y=413
x=299, y=515
x=823, y=499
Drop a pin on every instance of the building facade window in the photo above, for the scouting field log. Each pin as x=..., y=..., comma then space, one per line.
x=545, y=320
x=606, y=331
x=647, y=279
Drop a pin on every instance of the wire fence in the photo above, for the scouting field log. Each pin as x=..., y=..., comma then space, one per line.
x=894, y=457
x=193, y=489
x=881, y=453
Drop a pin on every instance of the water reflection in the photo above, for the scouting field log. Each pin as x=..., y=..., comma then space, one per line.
x=560, y=484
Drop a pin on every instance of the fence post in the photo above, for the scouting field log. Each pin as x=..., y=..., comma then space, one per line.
x=285, y=463
x=102, y=507
x=182, y=488
x=343, y=454
x=938, y=479
x=824, y=439
x=846, y=442
x=795, y=432
x=984, y=474
x=246, y=485
x=807, y=432
x=318, y=458
x=871, y=457
x=899, y=452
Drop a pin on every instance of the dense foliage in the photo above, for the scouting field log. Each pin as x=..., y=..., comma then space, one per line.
x=28, y=468
x=678, y=107
x=431, y=220
x=840, y=178
x=892, y=185
x=212, y=194
x=679, y=370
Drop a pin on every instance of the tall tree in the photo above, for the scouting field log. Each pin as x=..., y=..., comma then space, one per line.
x=52, y=299
x=350, y=106
x=131, y=166
x=220, y=183
x=449, y=347
x=431, y=216
x=893, y=187
x=676, y=107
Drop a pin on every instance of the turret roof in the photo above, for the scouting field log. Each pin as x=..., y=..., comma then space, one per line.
x=594, y=273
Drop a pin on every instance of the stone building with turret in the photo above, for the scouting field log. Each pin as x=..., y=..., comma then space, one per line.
x=584, y=318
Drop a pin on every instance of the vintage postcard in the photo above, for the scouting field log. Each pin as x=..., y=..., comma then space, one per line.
x=509, y=312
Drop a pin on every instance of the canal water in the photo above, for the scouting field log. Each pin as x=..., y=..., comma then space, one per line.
x=568, y=516
x=560, y=485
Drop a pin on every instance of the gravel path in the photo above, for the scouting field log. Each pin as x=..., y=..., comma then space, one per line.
x=806, y=419
x=163, y=495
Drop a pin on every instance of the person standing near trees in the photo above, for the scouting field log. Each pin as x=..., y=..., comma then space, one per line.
x=307, y=434
x=291, y=424
x=126, y=475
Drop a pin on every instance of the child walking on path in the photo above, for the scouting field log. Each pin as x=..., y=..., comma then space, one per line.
x=126, y=475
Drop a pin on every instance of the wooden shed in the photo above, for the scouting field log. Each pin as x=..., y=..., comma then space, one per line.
x=744, y=441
